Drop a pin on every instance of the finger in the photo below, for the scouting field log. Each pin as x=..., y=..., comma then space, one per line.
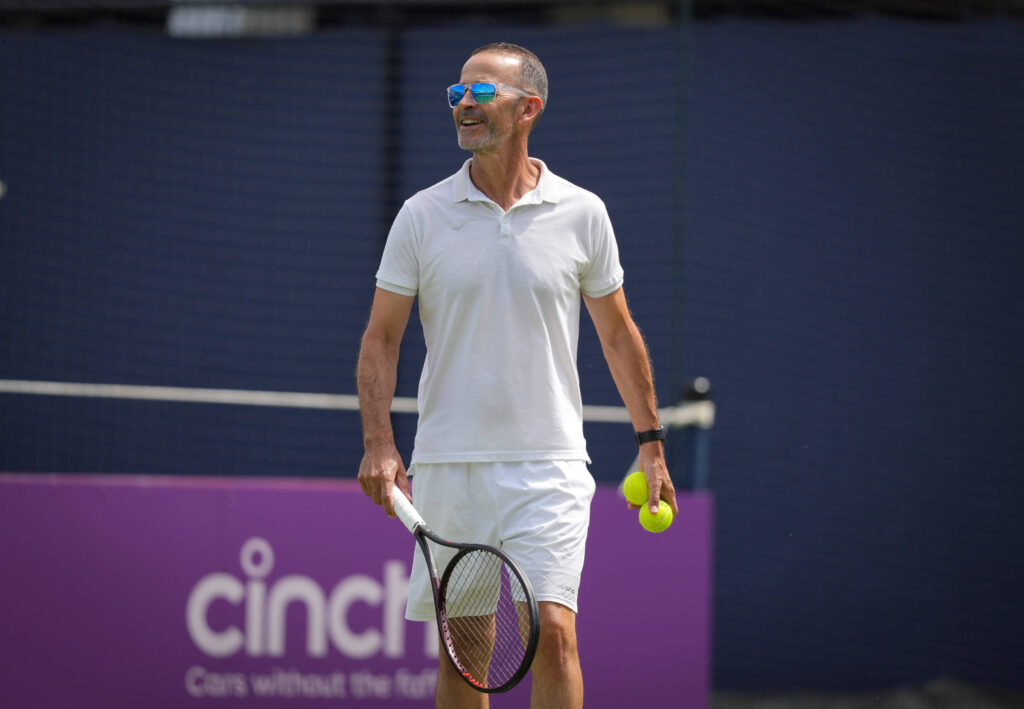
x=369, y=479
x=380, y=484
x=668, y=494
x=388, y=501
x=402, y=484
x=401, y=478
x=362, y=476
x=653, y=493
x=366, y=483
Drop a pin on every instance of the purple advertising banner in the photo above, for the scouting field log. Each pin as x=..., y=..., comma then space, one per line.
x=170, y=592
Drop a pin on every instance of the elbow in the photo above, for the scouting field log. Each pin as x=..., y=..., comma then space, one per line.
x=378, y=345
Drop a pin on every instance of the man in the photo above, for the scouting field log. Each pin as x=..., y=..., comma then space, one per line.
x=498, y=255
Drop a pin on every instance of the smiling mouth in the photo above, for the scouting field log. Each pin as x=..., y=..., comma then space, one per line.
x=470, y=122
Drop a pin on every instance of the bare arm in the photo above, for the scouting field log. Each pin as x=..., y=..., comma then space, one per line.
x=376, y=376
x=626, y=354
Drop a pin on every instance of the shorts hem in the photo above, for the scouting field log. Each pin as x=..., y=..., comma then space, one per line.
x=423, y=617
x=560, y=600
x=429, y=616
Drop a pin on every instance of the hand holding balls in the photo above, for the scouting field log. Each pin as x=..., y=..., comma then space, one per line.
x=636, y=491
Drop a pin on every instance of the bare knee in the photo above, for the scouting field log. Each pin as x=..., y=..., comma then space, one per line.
x=557, y=679
x=557, y=644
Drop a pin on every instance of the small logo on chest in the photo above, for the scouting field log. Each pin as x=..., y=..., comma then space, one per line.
x=461, y=223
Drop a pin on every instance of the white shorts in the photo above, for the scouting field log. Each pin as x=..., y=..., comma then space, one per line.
x=537, y=512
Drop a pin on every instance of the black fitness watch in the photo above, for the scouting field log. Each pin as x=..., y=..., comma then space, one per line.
x=655, y=434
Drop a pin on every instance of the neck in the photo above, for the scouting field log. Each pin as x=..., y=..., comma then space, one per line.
x=504, y=176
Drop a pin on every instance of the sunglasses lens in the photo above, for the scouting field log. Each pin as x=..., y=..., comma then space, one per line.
x=483, y=92
x=455, y=94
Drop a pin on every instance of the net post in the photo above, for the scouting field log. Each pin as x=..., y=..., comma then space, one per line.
x=692, y=452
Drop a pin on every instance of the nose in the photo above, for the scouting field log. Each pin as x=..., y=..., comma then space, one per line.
x=467, y=97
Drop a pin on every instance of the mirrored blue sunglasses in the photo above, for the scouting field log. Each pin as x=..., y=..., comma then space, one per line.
x=483, y=92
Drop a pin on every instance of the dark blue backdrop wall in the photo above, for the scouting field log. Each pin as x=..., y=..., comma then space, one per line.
x=210, y=215
x=853, y=285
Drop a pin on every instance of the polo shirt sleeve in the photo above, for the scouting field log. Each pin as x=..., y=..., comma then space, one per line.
x=602, y=273
x=399, y=270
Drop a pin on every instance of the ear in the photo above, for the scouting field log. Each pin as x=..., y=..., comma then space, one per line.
x=532, y=106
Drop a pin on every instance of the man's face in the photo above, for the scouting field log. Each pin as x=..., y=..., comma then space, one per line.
x=485, y=127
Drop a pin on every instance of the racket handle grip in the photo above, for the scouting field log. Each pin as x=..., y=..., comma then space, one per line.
x=406, y=512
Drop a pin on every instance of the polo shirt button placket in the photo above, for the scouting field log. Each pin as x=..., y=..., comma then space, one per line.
x=506, y=226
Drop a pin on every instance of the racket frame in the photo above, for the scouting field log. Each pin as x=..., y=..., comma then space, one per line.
x=414, y=522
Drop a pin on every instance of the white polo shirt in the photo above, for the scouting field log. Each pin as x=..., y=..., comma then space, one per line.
x=499, y=300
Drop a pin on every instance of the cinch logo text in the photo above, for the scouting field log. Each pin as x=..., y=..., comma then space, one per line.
x=326, y=613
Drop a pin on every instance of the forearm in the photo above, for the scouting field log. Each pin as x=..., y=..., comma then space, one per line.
x=630, y=367
x=376, y=378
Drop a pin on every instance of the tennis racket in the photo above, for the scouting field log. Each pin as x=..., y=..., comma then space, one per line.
x=486, y=611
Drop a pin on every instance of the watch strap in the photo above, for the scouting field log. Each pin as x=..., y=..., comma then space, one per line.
x=655, y=434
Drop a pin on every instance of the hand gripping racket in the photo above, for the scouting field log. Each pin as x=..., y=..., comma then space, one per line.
x=486, y=611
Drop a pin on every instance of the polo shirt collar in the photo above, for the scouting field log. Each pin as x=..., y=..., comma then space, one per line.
x=464, y=190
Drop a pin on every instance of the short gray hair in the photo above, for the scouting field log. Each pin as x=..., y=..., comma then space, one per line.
x=532, y=76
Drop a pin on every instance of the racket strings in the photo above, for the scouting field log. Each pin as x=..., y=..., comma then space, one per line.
x=488, y=618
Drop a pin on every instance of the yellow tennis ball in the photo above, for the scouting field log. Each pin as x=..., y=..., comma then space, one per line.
x=635, y=487
x=657, y=522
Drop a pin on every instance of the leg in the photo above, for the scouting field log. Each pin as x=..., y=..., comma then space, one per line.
x=473, y=640
x=452, y=691
x=433, y=487
x=557, y=679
